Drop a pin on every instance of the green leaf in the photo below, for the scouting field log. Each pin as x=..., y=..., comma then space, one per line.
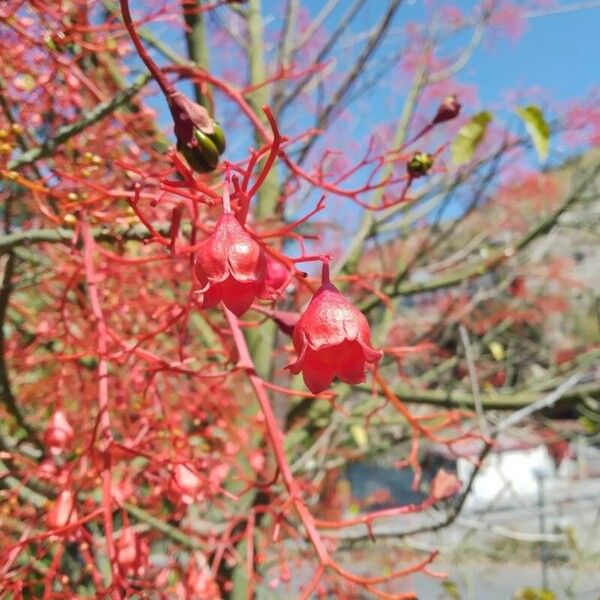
x=538, y=129
x=469, y=137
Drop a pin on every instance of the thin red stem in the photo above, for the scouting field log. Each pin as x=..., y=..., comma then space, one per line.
x=277, y=440
x=104, y=417
x=325, y=279
x=165, y=86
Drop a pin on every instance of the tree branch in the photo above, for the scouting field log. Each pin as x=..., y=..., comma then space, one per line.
x=8, y=398
x=331, y=41
x=50, y=146
x=335, y=102
x=65, y=236
x=196, y=43
x=498, y=401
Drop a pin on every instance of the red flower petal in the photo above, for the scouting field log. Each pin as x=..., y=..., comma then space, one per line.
x=330, y=319
x=350, y=363
x=316, y=372
x=301, y=348
x=371, y=355
x=212, y=296
x=211, y=258
x=245, y=257
x=444, y=485
x=237, y=296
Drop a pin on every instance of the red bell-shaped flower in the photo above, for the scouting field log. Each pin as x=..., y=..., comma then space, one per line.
x=132, y=552
x=186, y=486
x=275, y=277
x=332, y=339
x=63, y=511
x=230, y=266
x=59, y=433
x=199, y=583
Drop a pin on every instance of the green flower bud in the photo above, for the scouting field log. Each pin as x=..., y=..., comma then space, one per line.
x=218, y=137
x=207, y=147
x=419, y=164
x=204, y=156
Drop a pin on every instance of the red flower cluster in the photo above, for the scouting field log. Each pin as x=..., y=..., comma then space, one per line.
x=332, y=339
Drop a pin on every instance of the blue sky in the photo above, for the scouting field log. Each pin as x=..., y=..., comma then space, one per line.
x=557, y=53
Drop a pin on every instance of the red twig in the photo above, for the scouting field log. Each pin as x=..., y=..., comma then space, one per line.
x=104, y=430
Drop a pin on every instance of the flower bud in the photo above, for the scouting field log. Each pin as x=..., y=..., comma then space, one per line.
x=185, y=485
x=449, y=109
x=444, y=485
x=276, y=275
x=200, y=139
x=203, y=156
x=62, y=512
x=518, y=287
x=419, y=164
x=132, y=552
x=59, y=433
x=218, y=138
